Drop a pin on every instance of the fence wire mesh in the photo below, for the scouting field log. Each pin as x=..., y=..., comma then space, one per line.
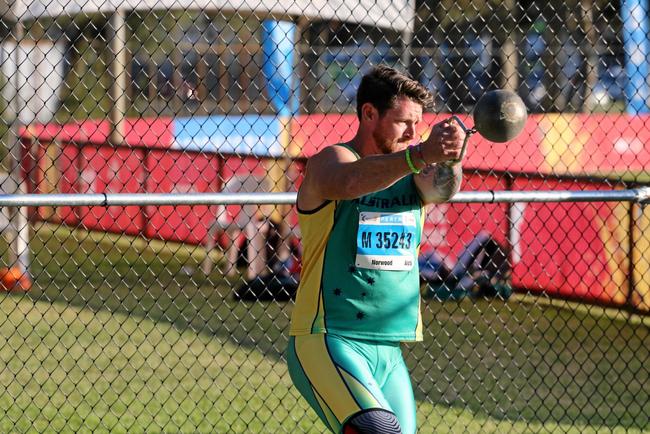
x=170, y=318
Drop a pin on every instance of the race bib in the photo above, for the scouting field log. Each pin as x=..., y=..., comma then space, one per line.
x=386, y=241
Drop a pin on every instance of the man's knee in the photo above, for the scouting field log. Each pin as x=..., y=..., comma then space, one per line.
x=373, y=421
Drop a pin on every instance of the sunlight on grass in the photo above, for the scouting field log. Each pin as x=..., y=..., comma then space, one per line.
x=123, y=334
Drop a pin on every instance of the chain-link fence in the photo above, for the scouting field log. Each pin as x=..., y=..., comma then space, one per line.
x=138, y=317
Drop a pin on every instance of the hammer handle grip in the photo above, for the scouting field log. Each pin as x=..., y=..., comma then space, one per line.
x=468, y=133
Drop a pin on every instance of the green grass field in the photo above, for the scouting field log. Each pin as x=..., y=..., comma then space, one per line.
x=119, y=335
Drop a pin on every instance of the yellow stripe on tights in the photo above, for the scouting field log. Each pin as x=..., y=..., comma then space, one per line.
x=324, y=376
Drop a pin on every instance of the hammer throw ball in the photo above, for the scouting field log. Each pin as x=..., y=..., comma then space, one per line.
x=500, y=115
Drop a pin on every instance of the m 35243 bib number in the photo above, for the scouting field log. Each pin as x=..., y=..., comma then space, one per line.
x=386, y=241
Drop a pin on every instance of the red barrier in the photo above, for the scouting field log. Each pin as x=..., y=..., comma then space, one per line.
x=559, y=144
x=179, y=172
x=448, y=228
x=70, y=182
x=566, y=248
x=96, y=169
x=576, y=250
x=111, y=170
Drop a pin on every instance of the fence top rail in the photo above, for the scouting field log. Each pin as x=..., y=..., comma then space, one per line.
x=641, y=195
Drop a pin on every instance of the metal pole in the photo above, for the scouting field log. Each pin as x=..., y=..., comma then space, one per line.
x=640, y=195
x=19, y=245
x=118, y=72
x=631, y=280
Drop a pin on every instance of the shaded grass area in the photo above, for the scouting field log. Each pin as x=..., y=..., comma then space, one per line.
x=122, y=334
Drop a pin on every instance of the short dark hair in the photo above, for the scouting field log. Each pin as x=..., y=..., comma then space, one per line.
x=383, y=85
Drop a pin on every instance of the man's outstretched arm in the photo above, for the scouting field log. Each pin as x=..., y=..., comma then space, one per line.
x=336, y=173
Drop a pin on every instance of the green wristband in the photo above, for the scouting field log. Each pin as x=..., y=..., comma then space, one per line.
x=409, y=162
x=419, y=155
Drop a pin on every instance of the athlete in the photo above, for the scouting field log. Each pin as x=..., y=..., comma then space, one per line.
x=361, y=210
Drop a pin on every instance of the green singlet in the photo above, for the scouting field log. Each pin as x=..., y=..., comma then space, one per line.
x=360, y=274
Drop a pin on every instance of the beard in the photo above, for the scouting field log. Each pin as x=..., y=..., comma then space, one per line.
x=384, y=145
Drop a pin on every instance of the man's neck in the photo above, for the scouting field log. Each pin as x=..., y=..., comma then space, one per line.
x=362, y=145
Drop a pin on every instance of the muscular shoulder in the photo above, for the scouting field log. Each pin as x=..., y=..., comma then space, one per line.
x=322, y=170
x=331, y=155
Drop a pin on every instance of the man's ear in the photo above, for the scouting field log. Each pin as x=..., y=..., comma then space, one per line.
x=369, y=112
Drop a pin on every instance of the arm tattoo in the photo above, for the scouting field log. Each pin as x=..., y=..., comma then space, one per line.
x=446, y=180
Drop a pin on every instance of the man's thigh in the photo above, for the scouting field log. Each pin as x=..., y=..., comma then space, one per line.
x=334, y=377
